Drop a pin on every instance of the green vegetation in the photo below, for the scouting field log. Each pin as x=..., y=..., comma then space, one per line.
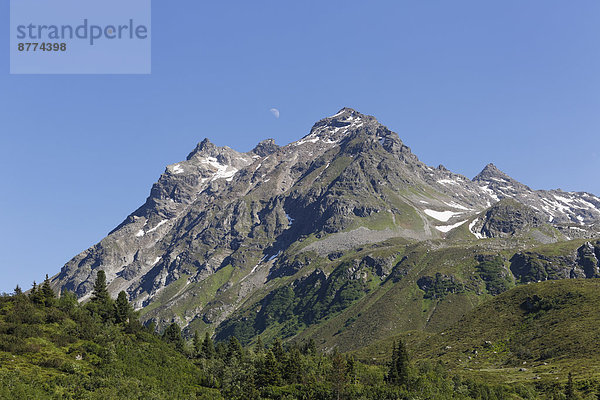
x=56, y=348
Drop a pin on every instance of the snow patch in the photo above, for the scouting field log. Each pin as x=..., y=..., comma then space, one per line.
x=443, y=216
x=489, y=192
x=563, y=199
x=156, y=260
x=471, y=226
x=222, y=171
x=140, y=233
x=177, y=169
x=164, y=221
x=448, y=228
x=448, y=182
x=307, y=140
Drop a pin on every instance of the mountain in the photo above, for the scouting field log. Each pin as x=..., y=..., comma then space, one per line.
x=343, y=236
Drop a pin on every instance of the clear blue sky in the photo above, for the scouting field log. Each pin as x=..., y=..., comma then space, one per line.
x=463, y=83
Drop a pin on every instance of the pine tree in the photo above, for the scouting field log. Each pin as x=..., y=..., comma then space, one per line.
x=398, y=367
x=35, y=295
x=123, y=310
x=234, y=349
x=197, y=344
x=292, y=369
x=208, y=347
x=278, y=351
x=221, y=350
x=47, y=294
x=18, y=291
x=101, y=304
x=100, y=292
x=268, y=372
x=173, y=335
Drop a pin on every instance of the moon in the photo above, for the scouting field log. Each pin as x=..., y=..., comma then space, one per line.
x=275, y=112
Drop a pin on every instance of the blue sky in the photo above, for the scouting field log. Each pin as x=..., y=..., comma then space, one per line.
x=463, y=83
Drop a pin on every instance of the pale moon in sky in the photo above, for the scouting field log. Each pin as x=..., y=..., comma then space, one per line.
x=275, y=112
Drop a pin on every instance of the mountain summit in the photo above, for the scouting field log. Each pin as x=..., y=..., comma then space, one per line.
x=223, y=233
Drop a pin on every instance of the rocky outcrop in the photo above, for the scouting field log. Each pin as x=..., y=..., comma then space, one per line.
x=507, y=218
x=536, y=267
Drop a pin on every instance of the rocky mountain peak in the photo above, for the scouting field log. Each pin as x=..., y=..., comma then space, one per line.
x=491, y=172
x=265, y=148
x=204, y=149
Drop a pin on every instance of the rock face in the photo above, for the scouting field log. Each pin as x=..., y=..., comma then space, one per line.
x=534, y=267
x=509, y=217
x=222, y=226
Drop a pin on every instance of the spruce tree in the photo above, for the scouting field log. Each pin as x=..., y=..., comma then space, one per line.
x=278, y=351
x=47, y=294
x=18, y=290
x=234, y=349
x=35, y=295
x=292, y=369
x=172, y=335
x=100, y=292
x=208, y=347
x=101, y=304
x=268, y=372
x=197, y=344
x=123, y=310
x=398, y=367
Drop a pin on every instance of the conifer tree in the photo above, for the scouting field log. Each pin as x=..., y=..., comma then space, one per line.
x=234, y=349
x=123, y=310
x=18, y=290
x=173, y=335
x=208, y=347
x=268, y=372
x=47, y=294
x=292, y=369
x=309, y=348
x=101, y=303
x=35, y=295
x=398, y=367
x=197, y=344
x=221, y=350
x=278, y=351
x=100, y=292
